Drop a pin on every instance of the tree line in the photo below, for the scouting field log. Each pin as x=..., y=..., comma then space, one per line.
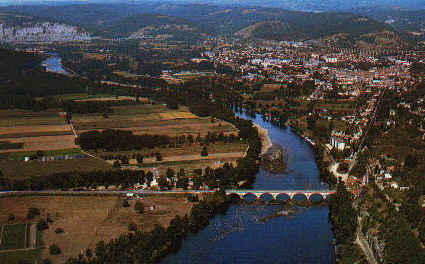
x=119, y=140
x=152, y=247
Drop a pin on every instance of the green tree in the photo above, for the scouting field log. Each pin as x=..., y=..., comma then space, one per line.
x=33, y=212
x=204, y=152
x=55, y=250
x=139, y=207
x=163, y=182
x=125, y=203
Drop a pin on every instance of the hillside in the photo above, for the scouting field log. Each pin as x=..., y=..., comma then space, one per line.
x=154, y=26
x=22, y=80
x=410, y=21
x=188, y=21
x=313, y=26
x=21, y=28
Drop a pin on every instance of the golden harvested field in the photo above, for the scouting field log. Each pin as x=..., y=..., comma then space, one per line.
x=94, y=56
x=42, y=143
x=189, y=166
x=177, y=115
x=21, y=169
x=88, y=220
x=34, y=129
x=126, y=74
x=194, y=149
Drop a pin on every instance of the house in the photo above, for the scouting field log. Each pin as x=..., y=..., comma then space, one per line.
x=394, y=185
x=388, y=176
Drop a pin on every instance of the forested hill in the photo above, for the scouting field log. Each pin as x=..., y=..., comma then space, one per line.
x=152, y=25
x=258, y=22
x=22, y=80
x=311, y=26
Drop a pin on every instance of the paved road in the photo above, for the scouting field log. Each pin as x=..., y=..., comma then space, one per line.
x=366, y=249
x=33, y=236
x=364, y=245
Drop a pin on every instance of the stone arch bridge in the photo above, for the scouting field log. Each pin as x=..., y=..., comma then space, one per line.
x=259, y=194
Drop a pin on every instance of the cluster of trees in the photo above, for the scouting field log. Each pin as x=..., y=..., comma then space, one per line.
x=69, y=180
x=118, y=140
x=94, y=106
x=401, y=245
x=343, y=217
x=22, y=80
x=152, y=247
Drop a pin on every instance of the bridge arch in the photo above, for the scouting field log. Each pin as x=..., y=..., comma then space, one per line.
x=300, y=197
x=235, y=196
x=328, y=196
x=249, y=197
x=266, y=197
x=283, y=197
x=316, y=197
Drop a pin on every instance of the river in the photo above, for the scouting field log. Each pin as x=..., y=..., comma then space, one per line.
x=54, y=64
x=240, y=237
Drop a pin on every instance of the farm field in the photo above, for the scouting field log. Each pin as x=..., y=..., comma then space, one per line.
x=151, y=119
x=14, y=236
x=98, y=218
x=189, y=165
x=194, y=149
x=20, y=256
x=22, y=131
x=14, y=169
x=42, y=143
x=15, y=118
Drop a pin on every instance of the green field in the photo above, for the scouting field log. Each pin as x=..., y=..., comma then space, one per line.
x=80, y=96
x=19, y=156
x=14, y=236
x=15, y=117
x=20, y=169
x=22, y=256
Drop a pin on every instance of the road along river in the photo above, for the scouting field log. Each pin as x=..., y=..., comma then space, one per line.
x=240, y=236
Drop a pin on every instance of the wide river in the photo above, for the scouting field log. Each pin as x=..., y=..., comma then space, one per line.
x=239, y=236
x=54, y=63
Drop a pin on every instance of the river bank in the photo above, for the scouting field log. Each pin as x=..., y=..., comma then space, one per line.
x=266, y=142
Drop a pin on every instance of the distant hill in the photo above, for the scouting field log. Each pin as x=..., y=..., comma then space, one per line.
x=315, y=5
x=154, y=25
x=410, y=21
x=187, y=21
x=26, y=28
x=312, y=26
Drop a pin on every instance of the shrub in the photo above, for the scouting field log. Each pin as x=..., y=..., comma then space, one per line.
x=132, y=226
x=11, y=217
x=204, y=152
x=139, y=207
x=125, y=203
x=42, y=225
x=59, y=230
x=33, y=212
x=54, y=250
